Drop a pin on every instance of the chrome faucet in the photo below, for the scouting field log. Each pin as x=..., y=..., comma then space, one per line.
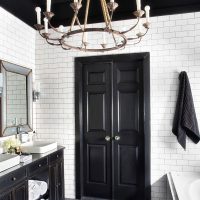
x=20, y=132
x=19, y=129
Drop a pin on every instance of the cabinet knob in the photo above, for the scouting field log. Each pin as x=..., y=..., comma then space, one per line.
x=107, y=138
x=39, y=165
x=117, y=138
x=14, y=178
x=57, y=156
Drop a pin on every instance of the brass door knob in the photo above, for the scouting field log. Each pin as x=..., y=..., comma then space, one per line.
x=107, y=138
x=117, y=138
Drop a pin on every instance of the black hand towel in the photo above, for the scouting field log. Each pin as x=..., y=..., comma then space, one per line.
x=185, y=121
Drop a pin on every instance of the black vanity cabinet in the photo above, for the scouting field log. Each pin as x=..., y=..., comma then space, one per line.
x=56, y=172
x=7, y=196
x=48, y=168
x=14, y=185
x=19, y=192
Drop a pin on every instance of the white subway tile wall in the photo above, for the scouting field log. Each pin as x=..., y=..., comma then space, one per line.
x=174, y=44
x=17, y=41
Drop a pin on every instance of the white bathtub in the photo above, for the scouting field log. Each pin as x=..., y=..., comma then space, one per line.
x=184, y=185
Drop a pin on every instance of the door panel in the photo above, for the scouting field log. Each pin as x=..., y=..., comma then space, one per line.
x=97, y=125
x=128, y=161
x=128, y=181
x=96, y=162
x=128, y=111
x=96, y=112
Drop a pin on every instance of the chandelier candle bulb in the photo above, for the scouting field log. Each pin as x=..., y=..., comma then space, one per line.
x=138, y=3
x=75, y=1
x=104, y=38
x=38, y=12
x=61, y=28
x=147, y=10
x=112, y=1
x=46, y=25
x=85, y=37
x=48, y=5
x=140, y=27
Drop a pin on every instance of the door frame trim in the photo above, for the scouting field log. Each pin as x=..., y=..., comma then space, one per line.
x=79, y=116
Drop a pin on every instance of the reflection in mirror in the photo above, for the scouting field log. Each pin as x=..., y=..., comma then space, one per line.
x=16, y=99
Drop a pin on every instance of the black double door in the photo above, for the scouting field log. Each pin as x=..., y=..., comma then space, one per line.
x=114, y=159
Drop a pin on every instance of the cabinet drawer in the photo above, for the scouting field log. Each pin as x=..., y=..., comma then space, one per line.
x=13, y=178
x=56, y=156
x=40, y=164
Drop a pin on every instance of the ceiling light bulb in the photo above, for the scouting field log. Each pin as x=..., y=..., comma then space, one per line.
x=61, y=28
x=104, y=38
x=46, y=25
x=138, y=3
x=48, y=5
x=38, y=12
x=85, y=37
x=147, y=11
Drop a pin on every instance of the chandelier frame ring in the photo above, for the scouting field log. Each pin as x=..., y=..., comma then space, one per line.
x=74, y=32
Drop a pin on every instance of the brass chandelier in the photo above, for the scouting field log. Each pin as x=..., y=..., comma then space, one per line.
x=103, y=37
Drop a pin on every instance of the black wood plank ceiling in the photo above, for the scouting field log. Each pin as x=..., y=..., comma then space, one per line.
x=25, y=9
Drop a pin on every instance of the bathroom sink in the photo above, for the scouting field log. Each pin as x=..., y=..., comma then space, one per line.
x=7, y=161
x=38, y=147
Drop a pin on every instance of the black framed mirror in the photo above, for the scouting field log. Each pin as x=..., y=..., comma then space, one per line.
x=16, y=99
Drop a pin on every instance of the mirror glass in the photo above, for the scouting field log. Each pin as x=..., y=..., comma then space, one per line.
x=16, y=99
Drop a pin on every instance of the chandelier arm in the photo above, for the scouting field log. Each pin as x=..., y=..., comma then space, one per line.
x=107, y=12
x=111, y=15
x=147, y=29
x=65, y=48
x=124, y=32
x=55, y=29
x=73, y=21
x=109, y=20
x=47, y=40
x=72, y=24
x=86, y=13
x=78, y=22
x=104, y=13
x=74, y=18
x=135, y=38
x=85, y=20
x=41, y=34
x=52, y=39
x=139, y=40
